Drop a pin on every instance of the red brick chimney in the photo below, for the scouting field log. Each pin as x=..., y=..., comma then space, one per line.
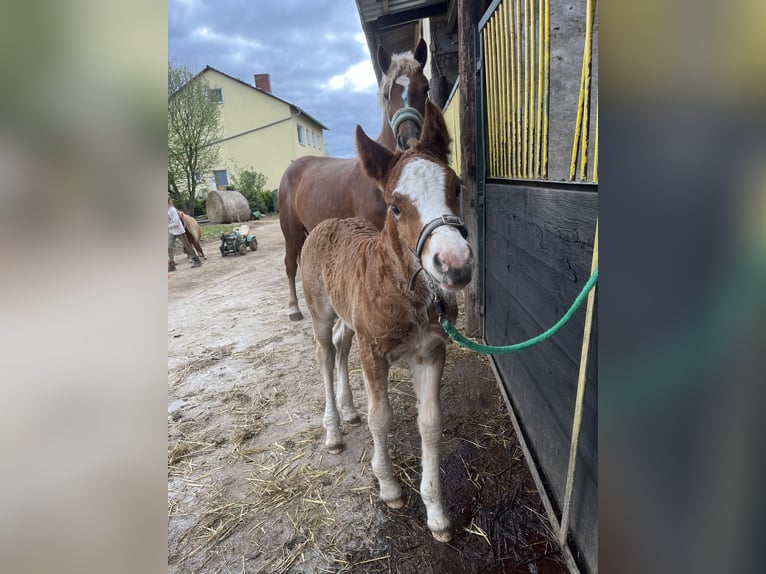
x=263, y=82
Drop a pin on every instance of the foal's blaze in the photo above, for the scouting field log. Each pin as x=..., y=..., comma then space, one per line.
x=382, y=284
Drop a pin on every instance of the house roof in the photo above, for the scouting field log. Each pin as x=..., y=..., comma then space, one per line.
x=303, y=112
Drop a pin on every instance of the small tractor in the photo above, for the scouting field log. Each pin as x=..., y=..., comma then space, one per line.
x=237, y=241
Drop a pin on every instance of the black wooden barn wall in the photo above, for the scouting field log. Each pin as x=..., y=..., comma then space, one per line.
x=538, y=248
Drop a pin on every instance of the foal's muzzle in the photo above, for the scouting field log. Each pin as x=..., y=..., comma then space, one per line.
x=452, y=267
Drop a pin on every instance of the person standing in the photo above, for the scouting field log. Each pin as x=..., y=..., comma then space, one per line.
x=176, y=231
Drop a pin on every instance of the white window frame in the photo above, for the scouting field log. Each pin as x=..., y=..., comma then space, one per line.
x=218, y=92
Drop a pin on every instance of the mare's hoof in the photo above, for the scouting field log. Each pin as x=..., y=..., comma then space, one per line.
x=336, y=448
x=442, y=535
x=296, y=316
x=354, y=421
x=395, y=504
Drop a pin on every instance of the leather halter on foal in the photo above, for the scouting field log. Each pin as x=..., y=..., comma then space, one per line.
x=428, y=229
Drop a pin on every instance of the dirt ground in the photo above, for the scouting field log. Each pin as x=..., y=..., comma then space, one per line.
x=250, y=486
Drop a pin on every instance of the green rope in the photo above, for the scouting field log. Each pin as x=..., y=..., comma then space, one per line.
x=490, y=350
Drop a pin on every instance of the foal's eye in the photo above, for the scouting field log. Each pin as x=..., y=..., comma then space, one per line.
x=426, y=90
x=395, y=210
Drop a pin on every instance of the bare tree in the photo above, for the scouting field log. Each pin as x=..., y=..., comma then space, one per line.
x=194, y=127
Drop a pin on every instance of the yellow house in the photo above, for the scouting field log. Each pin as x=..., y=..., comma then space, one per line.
x=260, y=131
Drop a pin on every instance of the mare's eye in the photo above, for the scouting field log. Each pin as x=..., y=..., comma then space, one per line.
x=395, y=210
x=426, y=90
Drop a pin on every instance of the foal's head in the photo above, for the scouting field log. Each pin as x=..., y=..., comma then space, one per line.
x=403, y=92
x=421, y=192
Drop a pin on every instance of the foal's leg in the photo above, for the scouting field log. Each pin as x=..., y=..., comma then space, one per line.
x=342, y=335
x=322, y=321
x=379, y=419
x=427, y=373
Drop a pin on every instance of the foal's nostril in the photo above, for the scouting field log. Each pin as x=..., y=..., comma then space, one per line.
x=438, y=264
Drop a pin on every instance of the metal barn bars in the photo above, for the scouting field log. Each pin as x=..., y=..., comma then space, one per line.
x=516, y=48
x=583, y=104
x=516, y=41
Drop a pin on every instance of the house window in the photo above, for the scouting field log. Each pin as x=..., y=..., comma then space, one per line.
x=221, y=178
x=215, y=95
x=301, y=135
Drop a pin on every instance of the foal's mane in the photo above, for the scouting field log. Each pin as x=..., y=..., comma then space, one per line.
x=401, y=64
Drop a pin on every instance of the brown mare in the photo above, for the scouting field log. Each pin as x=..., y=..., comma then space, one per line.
x=313, y=189
x=391, y=287
x=193, y=234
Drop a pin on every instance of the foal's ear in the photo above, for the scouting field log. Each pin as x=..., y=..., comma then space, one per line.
x=435, y=138
x=384, y=60
x=375, y=158
x=421, y=52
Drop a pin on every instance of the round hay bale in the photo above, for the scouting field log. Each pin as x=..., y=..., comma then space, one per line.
x=225, y=206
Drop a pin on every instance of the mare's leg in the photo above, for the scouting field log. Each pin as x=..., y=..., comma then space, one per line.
x=293, y=244
x=427, y=373
x=341, y=338
x=379, y=419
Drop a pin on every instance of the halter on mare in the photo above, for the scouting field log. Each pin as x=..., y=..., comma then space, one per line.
x=405, y=113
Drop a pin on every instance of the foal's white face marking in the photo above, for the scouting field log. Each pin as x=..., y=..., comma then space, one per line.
x=423, y=181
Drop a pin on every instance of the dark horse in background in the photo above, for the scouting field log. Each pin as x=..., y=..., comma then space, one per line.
x=317, y=188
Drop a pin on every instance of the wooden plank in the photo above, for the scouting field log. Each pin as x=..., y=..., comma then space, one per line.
x=546, y=295
x=466, y=10
x=541, y=381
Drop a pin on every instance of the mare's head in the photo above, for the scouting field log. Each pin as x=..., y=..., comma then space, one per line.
x=403, y=92
x=421, y=192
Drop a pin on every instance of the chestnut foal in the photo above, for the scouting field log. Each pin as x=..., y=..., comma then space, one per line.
x=391, y=287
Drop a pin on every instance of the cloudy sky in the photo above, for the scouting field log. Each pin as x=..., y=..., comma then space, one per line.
x=314, y=50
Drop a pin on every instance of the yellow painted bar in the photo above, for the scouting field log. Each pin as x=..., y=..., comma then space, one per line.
x=587, y=62
x=511, y=55
x=540, y=66
x=496, y=31
x=519, y=110
x=532, y=82
x=527, y=89
x=595, y=149
x=491, y=116
x=503, y=87
x=547, y=85
x=499, y=90
x=577, y=419
x=452, y=118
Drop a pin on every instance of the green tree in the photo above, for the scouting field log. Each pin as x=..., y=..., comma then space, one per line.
x=250, y=184
x=194, y=128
